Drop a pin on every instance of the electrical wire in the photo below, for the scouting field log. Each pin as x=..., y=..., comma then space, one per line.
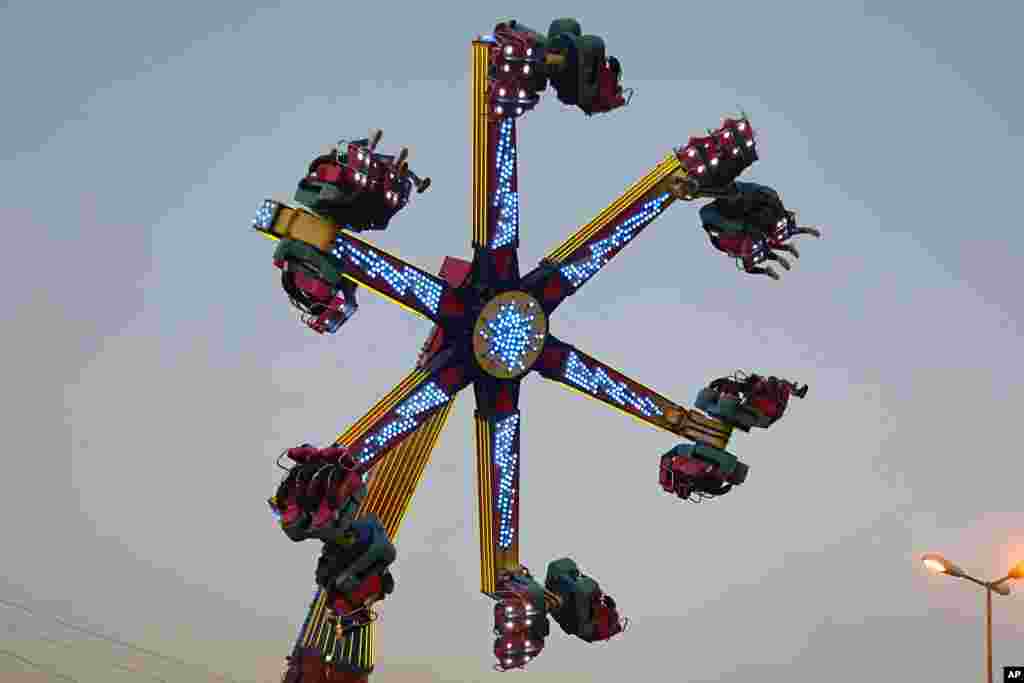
x=37, y=666
x=110, y=639
x=113, y=665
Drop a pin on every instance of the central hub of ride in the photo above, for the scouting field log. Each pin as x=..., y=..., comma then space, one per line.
x=509, y=335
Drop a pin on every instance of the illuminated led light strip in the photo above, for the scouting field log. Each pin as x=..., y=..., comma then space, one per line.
x=660, y=422
x=665, y=169
x=485, y=504
x=614, y=213
x=382, y=408
x=506, y=463
x=265, y=215
x=426, y=289
x=426, y=398
x=481, y=60
x=578, y=272
x=641, y=187
x=506, y=200
x=596, y=381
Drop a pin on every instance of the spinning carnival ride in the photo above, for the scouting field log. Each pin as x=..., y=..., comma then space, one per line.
x=491, y=328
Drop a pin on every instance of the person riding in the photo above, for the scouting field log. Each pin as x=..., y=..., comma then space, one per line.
x=748, y=401
x=585, y=611
x=750, y=223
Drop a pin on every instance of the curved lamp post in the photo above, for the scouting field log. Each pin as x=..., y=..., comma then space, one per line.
x=939, y=565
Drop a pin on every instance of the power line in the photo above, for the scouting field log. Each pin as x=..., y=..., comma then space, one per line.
x=37, y=666
x=113, y=665
x=116, y=641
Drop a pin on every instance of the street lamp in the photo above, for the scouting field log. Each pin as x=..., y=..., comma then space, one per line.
x=937, y=564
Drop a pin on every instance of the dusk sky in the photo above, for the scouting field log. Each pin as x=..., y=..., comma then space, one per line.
x=153, y=369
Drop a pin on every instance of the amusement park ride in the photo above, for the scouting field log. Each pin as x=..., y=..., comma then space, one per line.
x=491, y=328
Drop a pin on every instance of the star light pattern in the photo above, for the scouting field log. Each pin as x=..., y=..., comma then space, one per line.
x=425, y=289
x=510, y=336
x=506, y=200
x=426, y=398
x=506, y=459
x=601, y=251
x=265, y=215
x=596, y=381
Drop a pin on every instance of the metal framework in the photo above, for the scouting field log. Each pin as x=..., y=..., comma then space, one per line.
x=494, y=331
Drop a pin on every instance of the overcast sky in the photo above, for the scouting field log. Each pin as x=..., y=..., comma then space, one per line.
x=153, y=369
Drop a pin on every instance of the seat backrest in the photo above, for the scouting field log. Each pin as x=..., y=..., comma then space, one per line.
x=566, y=25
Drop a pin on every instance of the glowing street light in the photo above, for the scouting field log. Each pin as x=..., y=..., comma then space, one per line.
x=938, y=564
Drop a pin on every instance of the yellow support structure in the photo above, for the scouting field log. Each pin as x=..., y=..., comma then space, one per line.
x=699, y=427
x=305, y=226
x=659, y=174
x=393, y=397
x=493, y=560
x=672, y=417
x=481, y=139
x=485, y=498
x=395, y=478
x=392, y=485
